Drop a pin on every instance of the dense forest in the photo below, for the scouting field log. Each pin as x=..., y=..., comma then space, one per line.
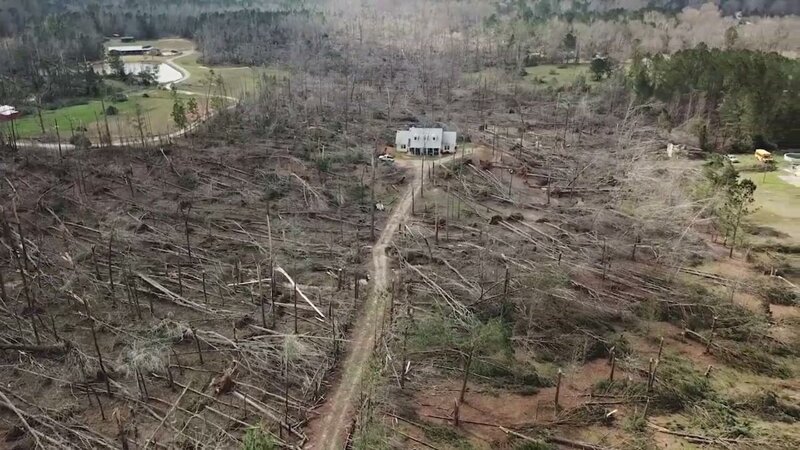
x=766, y=7
x=149, y=18
x=49, y=59
x=50, y=41
x=141, y=18
x=748, y=98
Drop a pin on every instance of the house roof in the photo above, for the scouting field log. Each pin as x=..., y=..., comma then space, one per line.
x=8, y=112
x=426, y=137
x=130, y=48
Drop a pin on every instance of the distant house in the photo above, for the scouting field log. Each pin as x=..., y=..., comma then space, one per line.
x=8, y=113
x=427, y=141
x=128, y=50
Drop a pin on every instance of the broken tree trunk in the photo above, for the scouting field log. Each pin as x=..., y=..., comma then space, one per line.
x=467, y=365
x=299, y=292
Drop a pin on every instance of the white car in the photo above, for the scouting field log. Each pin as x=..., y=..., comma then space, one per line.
x=386, y=158
x=732, y=158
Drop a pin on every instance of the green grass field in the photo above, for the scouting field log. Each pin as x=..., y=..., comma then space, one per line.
x=237, y=80
x=557, y=75
x=544, y=75
x=157, y=109
x=777, y=201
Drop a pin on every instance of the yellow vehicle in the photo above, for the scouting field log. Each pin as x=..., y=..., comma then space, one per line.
x=763, y=155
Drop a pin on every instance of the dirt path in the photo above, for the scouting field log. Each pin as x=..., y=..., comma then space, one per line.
x=329, y=431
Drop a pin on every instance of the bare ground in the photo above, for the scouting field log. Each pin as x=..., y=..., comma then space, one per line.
x=331, y=429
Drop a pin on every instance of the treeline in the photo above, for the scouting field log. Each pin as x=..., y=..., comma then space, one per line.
x=742, y=98
x=755, y=7
x=141, y=18
x=251, y=37
x=48, y=61
x=645, y=30
x=45, y=59
x=588, y=10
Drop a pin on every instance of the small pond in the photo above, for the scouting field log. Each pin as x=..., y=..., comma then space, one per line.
x=164, y=72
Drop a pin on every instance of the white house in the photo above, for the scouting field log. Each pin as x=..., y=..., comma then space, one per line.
x=428, y=141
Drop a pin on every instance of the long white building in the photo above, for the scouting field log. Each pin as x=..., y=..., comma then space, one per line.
x=428, y=141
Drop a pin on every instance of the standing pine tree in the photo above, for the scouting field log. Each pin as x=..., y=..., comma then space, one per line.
x=739, y=197
x=601, y=67
x=178, y=111
x=116, y=65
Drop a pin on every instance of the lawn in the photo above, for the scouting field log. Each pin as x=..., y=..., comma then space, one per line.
x=777, y=202
x=237, y=80
x=156, y=109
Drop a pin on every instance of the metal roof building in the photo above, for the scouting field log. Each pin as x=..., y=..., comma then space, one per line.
x=131, y=49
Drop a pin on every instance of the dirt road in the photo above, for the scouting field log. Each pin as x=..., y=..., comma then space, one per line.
x=329, y=431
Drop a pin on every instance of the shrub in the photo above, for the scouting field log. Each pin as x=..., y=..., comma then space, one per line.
x=769, y=405
x=188, y=180
x=275, y=187
x=539, y=445
x=112, y=110
x=720, y=419
x=257, y=439
x=443, y=434
x=680, y=384
x=80, y=141
x=754, y=357
x=778, y=294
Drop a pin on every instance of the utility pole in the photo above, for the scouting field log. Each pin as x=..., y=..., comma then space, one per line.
x=422, y=168
x=372, y=196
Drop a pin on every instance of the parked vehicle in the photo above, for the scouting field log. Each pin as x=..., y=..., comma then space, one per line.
x=763, y=155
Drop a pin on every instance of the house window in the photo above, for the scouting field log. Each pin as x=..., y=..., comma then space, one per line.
x=416, y=138
x=403, y=146
x=447, y=147
x=434, y=138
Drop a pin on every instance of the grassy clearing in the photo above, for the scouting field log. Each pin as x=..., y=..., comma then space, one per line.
x=557, y=75
x=156, y=107
x=156, y=104
x=237, y=80
x=778, y=202
x=545, y=75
